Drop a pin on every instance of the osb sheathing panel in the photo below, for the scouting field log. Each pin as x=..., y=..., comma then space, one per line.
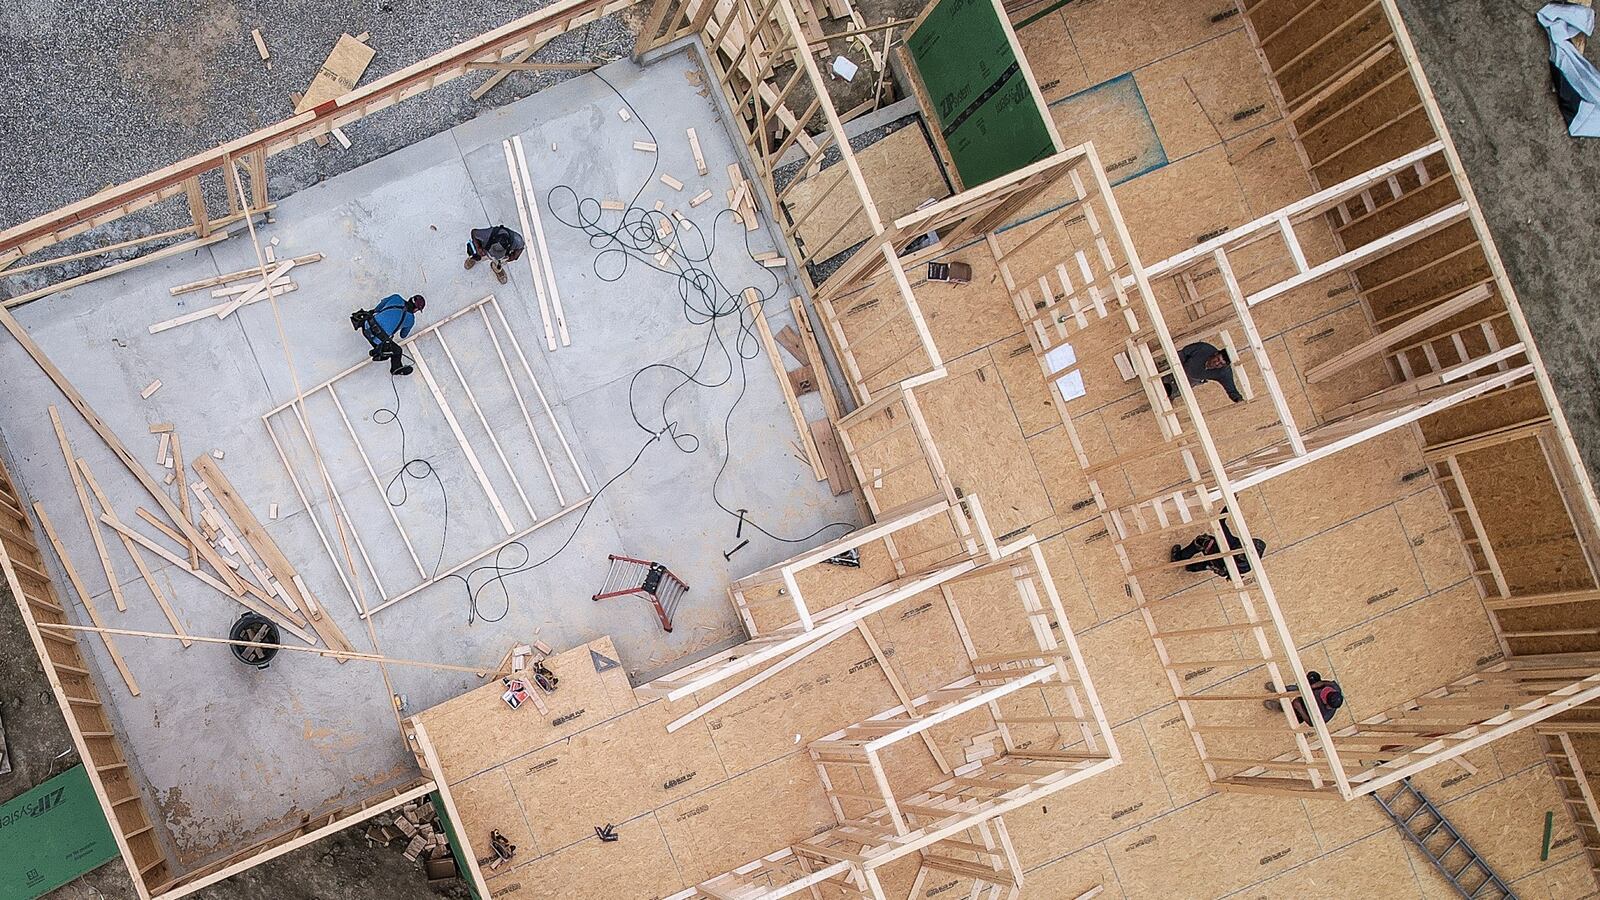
x=1114, y=117
x=1165, y=858
x=779, y=804
x=982, y=446
x=919, y=639
x=1376, y=866
x=1303, y=504
x=1322, y=339
x=1435, y=542
x=837, y=685
x=1519, y=403
x=964, y=317
x=1301, y=65
x=1412, y=651
x=901, y=172
x=1337, y=824
x=1070, y=876
x=1548, y=618
x=1120, y=652
x=1063, y=479
x=993, y=613
x=1212, y=203
x=1504, y=822
x=1068, y=580
x=1094, y=809
x=477, y=731
x=1450, y=780
x=1175, y=754
x=612, y=772
x=486, y=802
x=1094, y=553
x=1018, y=368
x=1345, y=575
x=1421, y=201
x=1525, y=520
x=1048, y=46
x=1518, y=751
x=1120, y=36
x=1207, y=94
x=1268, y=168
x=639, y=865
x=1570, y=879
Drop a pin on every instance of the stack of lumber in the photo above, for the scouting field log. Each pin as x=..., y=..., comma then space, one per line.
x=237, y=289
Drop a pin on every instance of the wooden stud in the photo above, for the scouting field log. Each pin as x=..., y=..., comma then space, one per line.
x=261, y=46
x=133, y=552
x=70, y=458
x=694, y=147
x=253, y=272
x=701, y=197
x=150, y=388
x=753, y=302
x=671, y=182
x=83, y=597
x=461, y=439
x=644, y=146
x=176, y=459
x=533, y=266
x=544, y=249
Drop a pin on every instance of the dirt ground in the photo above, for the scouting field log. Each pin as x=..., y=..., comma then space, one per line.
x=152, y=83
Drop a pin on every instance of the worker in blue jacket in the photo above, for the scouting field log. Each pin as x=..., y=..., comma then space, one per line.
x=385, y=325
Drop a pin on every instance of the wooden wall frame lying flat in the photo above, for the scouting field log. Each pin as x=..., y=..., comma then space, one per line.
x=501, y=337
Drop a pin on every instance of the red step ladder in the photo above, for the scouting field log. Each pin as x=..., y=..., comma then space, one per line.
x=649, y=579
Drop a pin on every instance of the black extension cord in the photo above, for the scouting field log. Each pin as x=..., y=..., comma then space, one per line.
x=706, y=301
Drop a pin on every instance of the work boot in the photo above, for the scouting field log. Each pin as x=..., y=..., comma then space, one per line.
x=403, y=370
x=471, y=261
x=499, y=270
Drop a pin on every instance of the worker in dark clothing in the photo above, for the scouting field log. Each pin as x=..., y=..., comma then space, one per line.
x=1203, y=362
x=1205, y=544
x=385, y=325
x=1328, y=694
x=500, y=244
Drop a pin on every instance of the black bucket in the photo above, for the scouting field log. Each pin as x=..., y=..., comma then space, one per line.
x=258, y=629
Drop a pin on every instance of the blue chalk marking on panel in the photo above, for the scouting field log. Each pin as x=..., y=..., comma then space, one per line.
x=1122, y=98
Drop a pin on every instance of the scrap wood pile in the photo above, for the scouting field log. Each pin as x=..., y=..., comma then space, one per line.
x=417, y=828
x=234, y=290
x=215, y=538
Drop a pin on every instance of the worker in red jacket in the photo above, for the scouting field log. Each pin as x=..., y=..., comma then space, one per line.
x=1328, y=695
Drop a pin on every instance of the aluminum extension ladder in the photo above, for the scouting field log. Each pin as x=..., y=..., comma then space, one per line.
x=1430, y=824
x=651, y=580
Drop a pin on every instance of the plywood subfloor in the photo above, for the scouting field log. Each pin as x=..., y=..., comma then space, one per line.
x=1206, y=149
x=1175, y=91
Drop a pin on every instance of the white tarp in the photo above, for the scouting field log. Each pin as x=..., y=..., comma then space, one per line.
x=1577, y=81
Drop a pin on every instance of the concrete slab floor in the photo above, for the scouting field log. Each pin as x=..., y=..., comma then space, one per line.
x=234, y=754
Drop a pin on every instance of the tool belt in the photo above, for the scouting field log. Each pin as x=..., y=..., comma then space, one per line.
x=364, y=321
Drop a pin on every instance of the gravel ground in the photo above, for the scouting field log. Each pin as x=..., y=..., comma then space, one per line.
x=153, y=83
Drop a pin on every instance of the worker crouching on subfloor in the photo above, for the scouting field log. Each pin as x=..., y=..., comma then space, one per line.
x=1202, y=362
x=500, y=244
x=386, y=324
x=1328, y=694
